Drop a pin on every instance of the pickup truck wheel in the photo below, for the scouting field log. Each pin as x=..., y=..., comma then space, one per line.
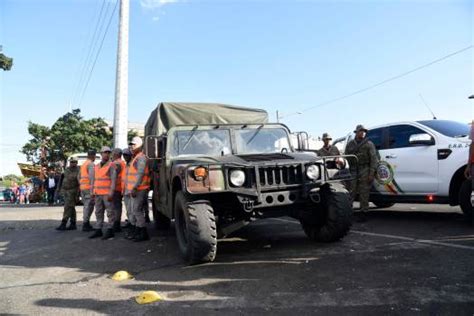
x=465, y=198
x=383, y=205
x=195, y=229
x=334, y=219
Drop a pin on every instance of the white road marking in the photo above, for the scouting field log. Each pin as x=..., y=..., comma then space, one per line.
x=404, y=238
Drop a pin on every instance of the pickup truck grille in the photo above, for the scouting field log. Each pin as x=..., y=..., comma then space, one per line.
x=275, y=176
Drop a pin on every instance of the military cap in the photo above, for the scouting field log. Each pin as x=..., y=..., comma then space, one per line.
x=91, y=152
x=126, y=152
x=360, y=127
x=326, y=136
x=105, y=149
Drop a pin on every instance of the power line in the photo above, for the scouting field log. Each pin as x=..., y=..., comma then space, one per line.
x=97, y=54
x=93, y=43
x=82, y=63
x=406, y=73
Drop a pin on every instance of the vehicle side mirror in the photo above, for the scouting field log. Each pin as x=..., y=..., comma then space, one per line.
x=152, y=150
x=421, y=139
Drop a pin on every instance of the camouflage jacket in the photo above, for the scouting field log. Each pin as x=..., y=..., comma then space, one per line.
x=366, y=153
x=331, y=151
x=70, y=181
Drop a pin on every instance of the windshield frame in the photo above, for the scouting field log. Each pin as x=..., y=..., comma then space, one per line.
x=172, y=134
x=434, y=125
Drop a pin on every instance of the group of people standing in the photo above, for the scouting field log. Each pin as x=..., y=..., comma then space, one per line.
x=103, y=187
x=21, y=193
x=363, y=172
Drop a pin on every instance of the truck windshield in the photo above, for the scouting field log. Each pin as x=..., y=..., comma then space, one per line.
x=448, y=128
x=262, y=140
x=201, y=142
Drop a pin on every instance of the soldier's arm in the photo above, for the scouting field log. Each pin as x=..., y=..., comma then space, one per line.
x=373, y=158
x=141, y=164
x=91, y=173
x=113, y=178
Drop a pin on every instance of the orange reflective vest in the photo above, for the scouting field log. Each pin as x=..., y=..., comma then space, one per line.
x=102, y=180
x=84, y=181
x=119, y=183
x=132, y=176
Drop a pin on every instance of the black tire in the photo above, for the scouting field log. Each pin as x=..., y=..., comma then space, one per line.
x=465, y=198
x=196, y=231
x=383, y=204
x=334, y=218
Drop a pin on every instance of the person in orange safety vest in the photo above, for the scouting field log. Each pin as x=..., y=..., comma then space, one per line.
x=86, y=183
x=104, y=187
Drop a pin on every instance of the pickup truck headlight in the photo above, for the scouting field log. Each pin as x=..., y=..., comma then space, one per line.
x=237, y=178
x=313, y=172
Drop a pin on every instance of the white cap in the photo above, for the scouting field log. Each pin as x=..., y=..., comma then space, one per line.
x=136, y=141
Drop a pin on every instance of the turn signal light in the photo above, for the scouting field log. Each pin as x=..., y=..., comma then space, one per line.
x=200, y=173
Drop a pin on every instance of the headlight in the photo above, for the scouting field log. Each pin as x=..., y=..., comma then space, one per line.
x=312, y=172
x=237, y=177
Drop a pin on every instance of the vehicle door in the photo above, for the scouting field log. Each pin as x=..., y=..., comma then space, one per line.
x=411, y=156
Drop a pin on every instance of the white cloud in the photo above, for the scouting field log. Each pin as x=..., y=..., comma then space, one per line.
x=154, y=4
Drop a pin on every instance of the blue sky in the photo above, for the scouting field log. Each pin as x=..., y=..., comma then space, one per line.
x=277, y=55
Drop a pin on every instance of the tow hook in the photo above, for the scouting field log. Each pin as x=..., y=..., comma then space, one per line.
x=248, y=205
x=314, y=196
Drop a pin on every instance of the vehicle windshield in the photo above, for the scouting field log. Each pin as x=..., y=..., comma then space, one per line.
x=213, y=142
x=448, y=128
x=262, y=140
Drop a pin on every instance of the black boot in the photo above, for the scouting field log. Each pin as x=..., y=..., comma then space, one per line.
x=127, y=225
x=97, y=233
x=63, y=225
x=72, y=225
x=131, y=232
x=117, y=228
x=109, y=234
x=87, y=227
x=142, y=235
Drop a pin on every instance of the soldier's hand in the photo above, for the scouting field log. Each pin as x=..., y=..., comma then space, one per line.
x=134, y=193
x=371, y=178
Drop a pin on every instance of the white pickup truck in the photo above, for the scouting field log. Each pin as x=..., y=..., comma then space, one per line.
x=420, y=162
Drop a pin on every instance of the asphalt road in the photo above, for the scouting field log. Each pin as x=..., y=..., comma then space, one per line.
x=410, y=259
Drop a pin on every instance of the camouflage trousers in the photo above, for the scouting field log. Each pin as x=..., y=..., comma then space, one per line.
x=361, y=186
x=102, y=205
x=70, y=197
x=88, y=202
x=138, y=207
x=127, y=200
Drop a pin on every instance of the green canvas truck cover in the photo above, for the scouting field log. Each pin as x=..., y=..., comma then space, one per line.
x=170, y=114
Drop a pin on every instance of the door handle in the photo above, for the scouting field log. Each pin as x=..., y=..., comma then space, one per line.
x=391, y=156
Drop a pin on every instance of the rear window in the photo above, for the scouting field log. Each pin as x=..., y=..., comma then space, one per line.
x=448, y=128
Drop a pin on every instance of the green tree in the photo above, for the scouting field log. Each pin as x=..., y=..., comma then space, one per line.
x=70, y=134
x=6, y=63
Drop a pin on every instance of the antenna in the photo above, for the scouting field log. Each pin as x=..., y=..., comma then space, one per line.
x=426, y=104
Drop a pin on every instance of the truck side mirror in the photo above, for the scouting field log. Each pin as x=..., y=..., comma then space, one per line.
x=421, y=139
x=152, y=150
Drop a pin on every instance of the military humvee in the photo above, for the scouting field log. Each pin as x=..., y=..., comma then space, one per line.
x=218, y=167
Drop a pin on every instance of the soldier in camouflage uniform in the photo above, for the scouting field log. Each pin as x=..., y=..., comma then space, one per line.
x=364, y=172
x=328, y=149
x=69, y=188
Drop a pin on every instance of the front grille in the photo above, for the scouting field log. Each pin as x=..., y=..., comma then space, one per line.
x=274, y=176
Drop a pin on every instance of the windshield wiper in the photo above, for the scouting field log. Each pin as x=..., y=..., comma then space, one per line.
x=193, y=131
x=255, y=134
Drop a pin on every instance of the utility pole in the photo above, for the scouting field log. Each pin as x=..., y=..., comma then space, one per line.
x=121, y=80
